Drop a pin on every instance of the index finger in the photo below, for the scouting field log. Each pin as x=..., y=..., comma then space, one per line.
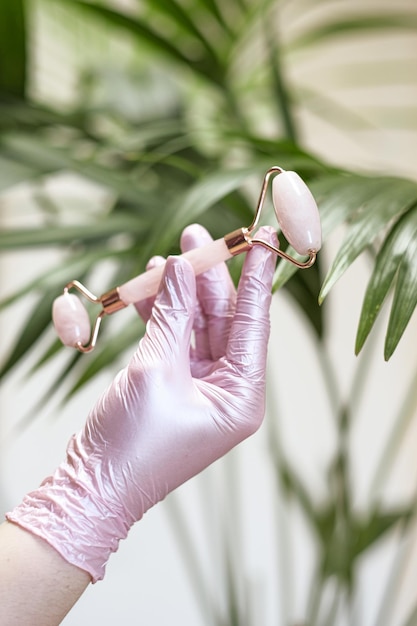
x=217, y=297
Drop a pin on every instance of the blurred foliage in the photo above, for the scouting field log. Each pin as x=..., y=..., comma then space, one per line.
x=183, y=131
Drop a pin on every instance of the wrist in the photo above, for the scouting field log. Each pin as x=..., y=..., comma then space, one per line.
x=75, y=514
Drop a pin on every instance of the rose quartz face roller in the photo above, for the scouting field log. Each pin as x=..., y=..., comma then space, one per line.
x=297, y=215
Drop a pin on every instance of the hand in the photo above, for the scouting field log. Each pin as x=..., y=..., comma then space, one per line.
x=172, y=411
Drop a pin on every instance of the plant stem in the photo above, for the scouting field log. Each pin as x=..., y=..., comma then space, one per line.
x=331, y=615
x=192, y=563
x=313, y=605
x=330, y=379
x=283, y=557
x=401, y=424
x=402, y=555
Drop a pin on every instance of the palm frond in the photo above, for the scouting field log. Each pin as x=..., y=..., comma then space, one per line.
x=363, y=24
x=13, y=48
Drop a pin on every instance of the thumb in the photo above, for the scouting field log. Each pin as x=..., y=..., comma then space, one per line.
x=168, y=331
x=249, y=334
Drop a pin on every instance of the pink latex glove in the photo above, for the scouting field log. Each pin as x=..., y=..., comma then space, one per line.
x=168, y=414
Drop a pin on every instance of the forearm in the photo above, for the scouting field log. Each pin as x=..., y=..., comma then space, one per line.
x=37, y=586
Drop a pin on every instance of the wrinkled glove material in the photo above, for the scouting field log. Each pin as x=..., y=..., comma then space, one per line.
x=193, y=390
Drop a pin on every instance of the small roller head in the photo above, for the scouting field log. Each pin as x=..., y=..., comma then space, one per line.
x=297, y=212
x=71, y=320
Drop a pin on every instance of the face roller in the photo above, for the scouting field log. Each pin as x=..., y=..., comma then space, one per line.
x=297, y=215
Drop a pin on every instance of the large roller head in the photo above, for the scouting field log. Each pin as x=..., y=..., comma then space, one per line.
x=297, y=212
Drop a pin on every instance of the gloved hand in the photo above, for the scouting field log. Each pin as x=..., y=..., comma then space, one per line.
x=168, y=414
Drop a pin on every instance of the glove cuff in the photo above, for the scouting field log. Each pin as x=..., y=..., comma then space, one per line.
x=80, y=524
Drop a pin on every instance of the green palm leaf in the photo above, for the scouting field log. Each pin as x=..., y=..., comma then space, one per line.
x=393, y=253
x=106, y=355
x=377, y=201
x=368, y=205
x=304, y=287
x=12, y=173
x=99, y=230
x=339, y=550
x=361, y=24
x=33, y=328
x=194, y=202
x=213, y=10
x=34, y=151
x=75, y=266
x=405, y=299
x=208, y=68
x=182, y=18
x=377, y=208
x=12, y=48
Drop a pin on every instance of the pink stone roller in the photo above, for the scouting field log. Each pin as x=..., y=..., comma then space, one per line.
x=297, y=215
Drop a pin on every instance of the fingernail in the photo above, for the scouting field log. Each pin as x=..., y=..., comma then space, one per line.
x=269, y=234
x=194, y=236
x=265, y=260
x=179, y=281
x=155, y=261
